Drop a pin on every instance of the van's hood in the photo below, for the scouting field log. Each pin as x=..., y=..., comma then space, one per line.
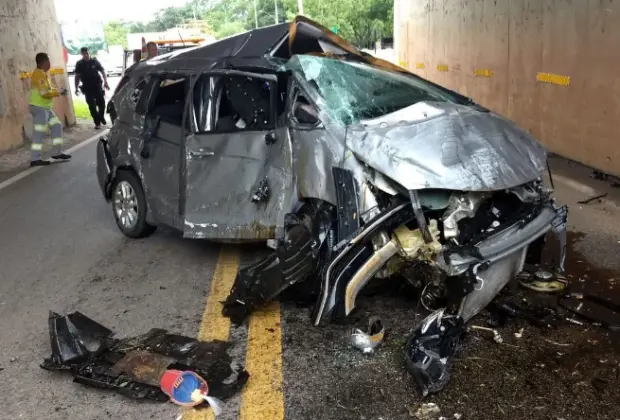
x=448, y=146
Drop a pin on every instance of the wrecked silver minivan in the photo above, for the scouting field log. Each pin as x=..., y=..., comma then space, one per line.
x=351, y=168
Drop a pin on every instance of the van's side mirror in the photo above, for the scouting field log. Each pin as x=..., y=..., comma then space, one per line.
x=305, y=114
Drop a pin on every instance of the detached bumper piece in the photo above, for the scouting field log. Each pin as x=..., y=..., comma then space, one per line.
x=294, y=260
x=133, y=366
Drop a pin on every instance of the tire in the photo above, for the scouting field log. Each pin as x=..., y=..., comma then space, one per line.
x=129, y=205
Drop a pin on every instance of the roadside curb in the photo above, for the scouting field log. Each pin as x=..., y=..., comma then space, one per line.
x=583, y=188
x=29, y=171
x=587, y=190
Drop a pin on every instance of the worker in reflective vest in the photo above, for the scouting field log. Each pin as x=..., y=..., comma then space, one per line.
x=42, y=94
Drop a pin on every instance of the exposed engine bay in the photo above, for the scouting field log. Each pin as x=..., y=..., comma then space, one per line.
x=458, y=249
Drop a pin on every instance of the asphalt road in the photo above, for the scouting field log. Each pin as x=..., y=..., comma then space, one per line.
x=61, y=251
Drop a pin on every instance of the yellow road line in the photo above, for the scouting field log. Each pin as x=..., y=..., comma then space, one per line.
x=215, y=326
x=263, y=398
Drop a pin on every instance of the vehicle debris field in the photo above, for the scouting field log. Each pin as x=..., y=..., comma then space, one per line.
x=562, y=372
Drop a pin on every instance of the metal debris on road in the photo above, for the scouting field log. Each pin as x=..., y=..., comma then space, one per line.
x=542, y=281
x=134, y=366
x=589, y=200
x=496, y=335
x=368, y=341
x=594, y=308
x=426, y=411
x=519, y=334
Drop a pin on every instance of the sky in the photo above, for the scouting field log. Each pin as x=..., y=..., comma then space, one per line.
x=133, y=10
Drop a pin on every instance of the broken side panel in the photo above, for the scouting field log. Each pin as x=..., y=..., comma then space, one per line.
x=237, y=184
x=297, y=258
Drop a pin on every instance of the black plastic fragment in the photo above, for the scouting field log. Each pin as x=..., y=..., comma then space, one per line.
x=256, y=285
x=75, y=337
x=430, y=351
x=130, y=366
x=346, y=196
x=296, y=258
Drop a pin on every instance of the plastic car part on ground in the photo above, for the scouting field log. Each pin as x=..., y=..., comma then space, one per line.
x=368, y=341
x=430, y=350
x=134, y=366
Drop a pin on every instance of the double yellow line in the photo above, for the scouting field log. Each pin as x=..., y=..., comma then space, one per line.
x=262, y=398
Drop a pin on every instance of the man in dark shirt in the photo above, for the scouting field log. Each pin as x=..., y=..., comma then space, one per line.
x=89, y=71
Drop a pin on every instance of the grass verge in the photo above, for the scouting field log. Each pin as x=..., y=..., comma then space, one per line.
x=81, y=109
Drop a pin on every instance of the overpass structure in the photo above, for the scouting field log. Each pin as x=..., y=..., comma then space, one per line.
x=552, y=66
x=26, y=28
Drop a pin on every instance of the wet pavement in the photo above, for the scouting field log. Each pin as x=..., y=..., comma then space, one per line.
x=64, y=253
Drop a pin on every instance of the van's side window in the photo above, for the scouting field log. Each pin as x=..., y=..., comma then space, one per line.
x=242, y=103
x=169, y=101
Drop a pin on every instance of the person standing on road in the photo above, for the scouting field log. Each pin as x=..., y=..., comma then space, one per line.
x=89, y=71
x=43, y=118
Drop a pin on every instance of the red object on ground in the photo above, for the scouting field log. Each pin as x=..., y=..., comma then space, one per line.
x=179, y=386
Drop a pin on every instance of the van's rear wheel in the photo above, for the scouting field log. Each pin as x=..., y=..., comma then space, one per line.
x=129, y=205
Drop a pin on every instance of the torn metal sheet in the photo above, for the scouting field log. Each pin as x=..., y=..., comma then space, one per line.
x=369, y=340
x=134, y=366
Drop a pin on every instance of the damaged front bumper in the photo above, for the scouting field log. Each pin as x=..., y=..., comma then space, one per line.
x=493, y=262
x=473, y=271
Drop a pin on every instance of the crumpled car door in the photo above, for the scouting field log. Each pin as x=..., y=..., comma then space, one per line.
x=238, y=182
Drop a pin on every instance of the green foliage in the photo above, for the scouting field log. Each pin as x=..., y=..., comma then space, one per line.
x=360, y=21
x=115, y=33
x=80, y=107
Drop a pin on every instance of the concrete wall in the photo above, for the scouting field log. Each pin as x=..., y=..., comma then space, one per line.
x=494, y=50
x=26, y=28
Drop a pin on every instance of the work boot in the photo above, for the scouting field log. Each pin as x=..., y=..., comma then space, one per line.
x=39, y=162
x=97, y=126
x=61, y=156
x=103, y=121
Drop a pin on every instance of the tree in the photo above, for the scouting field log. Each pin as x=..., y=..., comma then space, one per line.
x=115, y=33
x=360, y=21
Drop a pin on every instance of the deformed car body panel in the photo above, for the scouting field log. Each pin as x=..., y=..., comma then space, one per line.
x=220, y=186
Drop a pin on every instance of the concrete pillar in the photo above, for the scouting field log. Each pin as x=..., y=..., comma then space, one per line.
x=27, y=27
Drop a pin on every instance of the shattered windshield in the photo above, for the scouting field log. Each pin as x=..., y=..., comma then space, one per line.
x=354, y=91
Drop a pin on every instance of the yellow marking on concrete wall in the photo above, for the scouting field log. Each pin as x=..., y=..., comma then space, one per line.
x=419, y=65
x=483, y=73
x=28, y=74
x=442, y=67
x=263, y=397
x=215, y=326
x=554, y=79
x=403, y=64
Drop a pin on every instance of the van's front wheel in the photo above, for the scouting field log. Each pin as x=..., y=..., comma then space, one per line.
x=129, y=205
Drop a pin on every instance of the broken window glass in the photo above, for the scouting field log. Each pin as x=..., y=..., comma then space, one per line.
x=353, y=91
